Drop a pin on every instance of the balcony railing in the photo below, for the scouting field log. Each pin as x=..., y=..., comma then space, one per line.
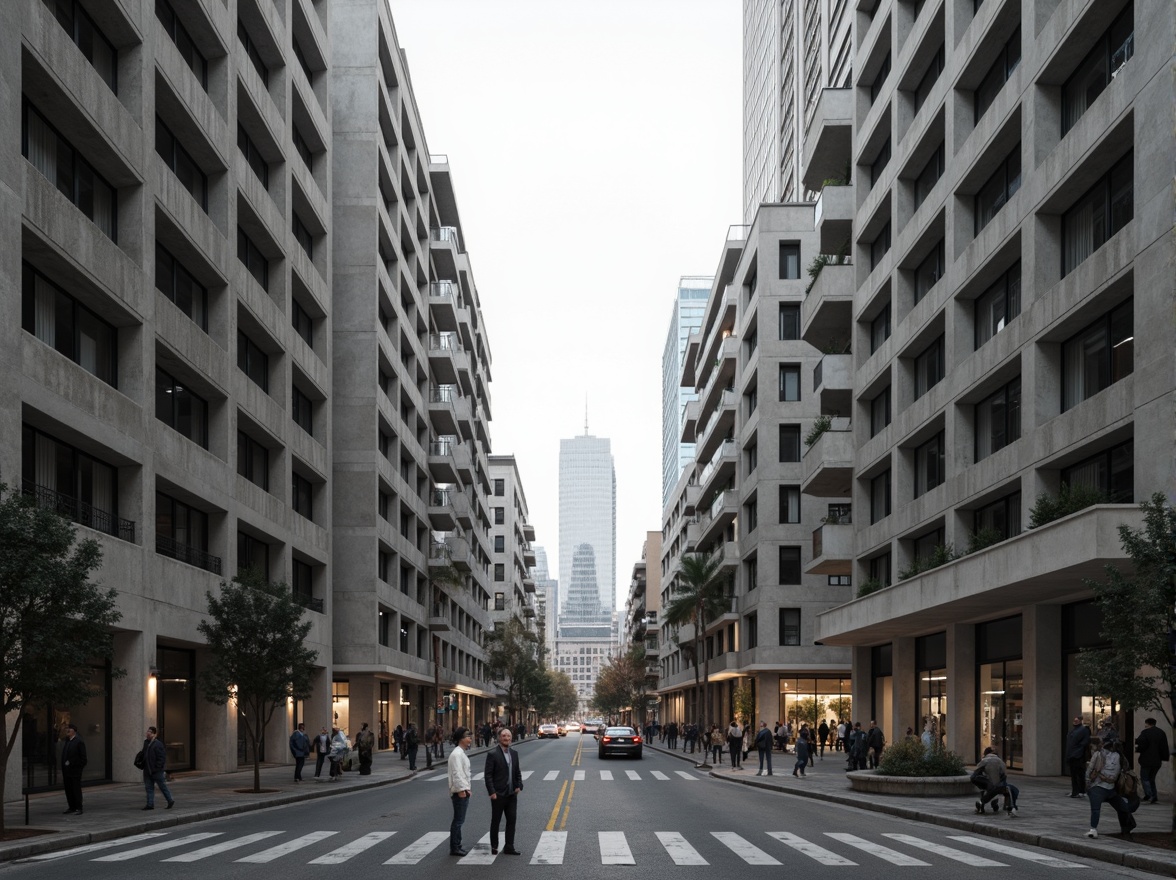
x=445, y=233
x=173, y=549
x=444, y=342
x=308, y=601
x=439, y=498
x=444, y=288
x=80, y=512
x=442, y=445
x=727, y=449
x=443, y=394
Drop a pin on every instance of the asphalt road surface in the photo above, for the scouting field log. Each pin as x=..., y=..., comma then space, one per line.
x=579, y=816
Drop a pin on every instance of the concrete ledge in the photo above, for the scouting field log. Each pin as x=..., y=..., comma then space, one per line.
x=911, y=786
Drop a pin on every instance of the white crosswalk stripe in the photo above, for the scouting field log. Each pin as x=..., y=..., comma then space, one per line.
x=551, y=774
x=632, y=774
x=818, y=853
x=127, y=855
x=351, y=850
x=93, y=847
x=432, y=778
x=284, y=849
x=480, y=853
x=527, y=774
x=550, y=850
x=679, y=850
x=1013, y=852
x=418, y=849
x=876, y=849
x=743, y=848
x=686, y=775
x=614, y=848
x=948, y=852
x=578, y=776
x=478, y=777
x=657, y=774
x=224, y=846
x=606, y=776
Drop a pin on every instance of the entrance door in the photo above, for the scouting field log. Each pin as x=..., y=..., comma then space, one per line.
x=1002, y=704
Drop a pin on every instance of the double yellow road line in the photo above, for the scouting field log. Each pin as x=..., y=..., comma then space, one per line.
x=568, y=788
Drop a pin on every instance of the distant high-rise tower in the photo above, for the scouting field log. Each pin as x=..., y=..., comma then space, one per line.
x=587, y=528
x=689, y=305
x=547, y=589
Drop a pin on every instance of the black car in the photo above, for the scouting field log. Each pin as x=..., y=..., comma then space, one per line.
x=619, y=741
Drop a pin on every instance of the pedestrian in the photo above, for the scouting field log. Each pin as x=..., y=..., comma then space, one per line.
x=875, y=742
x=803, y=748
x=716, y=744
x=763, y=746
x=398, y=740
x=1152, y=745
x=155, y=770
x=1105, y=766
x=856, y=747
x=995, y=773
x=365, y=741
x=459, y=787
x=504, y=781
x=73, y=762
x=411, y=744
x=822, y=737
x=340, y=747
x=1077, y=744
x=299, y=748
x=322, y=748
x=735, y=744
x=837, y=743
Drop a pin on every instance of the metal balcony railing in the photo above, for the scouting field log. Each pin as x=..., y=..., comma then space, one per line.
x=442, y=445
x=173, y=549
x=80, y=511
x=443, y=394
x=444, y=288
x=445, y=233
x=444, y=342
x=439, y=498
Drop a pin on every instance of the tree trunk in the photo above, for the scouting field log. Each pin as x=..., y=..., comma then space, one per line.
x=9, y=740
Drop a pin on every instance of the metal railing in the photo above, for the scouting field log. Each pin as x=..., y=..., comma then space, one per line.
x=445, y=233
x=444, y=342
x=173, y=549
x=308, y=601
x=76, y=510
x=439, y=498
x=444, y=288
x=443, y=393
x=442, y=445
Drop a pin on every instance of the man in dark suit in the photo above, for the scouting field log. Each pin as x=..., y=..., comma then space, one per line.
x=504, y=781
x=1152, y=745
x=73, y=761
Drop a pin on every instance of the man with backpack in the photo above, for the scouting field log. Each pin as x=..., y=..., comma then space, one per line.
x=1102, y=782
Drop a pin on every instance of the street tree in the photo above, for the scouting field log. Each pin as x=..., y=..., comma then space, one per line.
x=53, y=619
x=511, y=659
x=255, y=635
x=564, y=698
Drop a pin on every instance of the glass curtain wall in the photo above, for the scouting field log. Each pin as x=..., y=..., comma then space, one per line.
x=1001, y=681
x=931, y=681
x=809, y=700
x=176, y=706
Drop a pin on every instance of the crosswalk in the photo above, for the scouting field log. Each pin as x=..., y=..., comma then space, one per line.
x=654, y=849
x=583, y=775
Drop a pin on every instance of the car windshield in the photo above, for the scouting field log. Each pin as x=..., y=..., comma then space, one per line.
x=620, y=731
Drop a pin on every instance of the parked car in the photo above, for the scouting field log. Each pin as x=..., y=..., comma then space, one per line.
x=562, y=728
x=619, y=741
x=548, y=730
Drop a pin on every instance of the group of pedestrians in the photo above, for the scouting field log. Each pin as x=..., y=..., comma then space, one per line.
x=151, y=760
x=504, y=782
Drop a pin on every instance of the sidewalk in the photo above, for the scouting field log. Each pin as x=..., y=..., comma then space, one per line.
x=116, y=810
x=1046, y=815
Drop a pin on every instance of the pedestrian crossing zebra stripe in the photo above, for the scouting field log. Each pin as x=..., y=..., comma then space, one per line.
x=1027, y=855
x=876, y=849
x=812, y=850
x=743, y=848
x=657, y=774
x=578, y=776
x=127, y=855
x=284, y=849
x=350, y=850
x=223, y=846
x=480, y=854
x=633, y=774
x=551, y=774
x=614, y=848
x=679, y=850
x=686, y=775
x=948, y=852
x=94, y=847
x=418, y=849
x=550, y=850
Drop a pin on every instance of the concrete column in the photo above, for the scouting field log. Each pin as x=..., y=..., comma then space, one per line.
x=905, y=708
x=861, y=686
x=216, y=727
x=316, y=709
x=362, y=705
x=132, y=701
x=1041, y=650
x=961, y=690
x=767, y=698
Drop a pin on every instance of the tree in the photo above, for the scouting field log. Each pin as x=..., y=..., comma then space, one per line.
x=841, y=707
x=255, y=635
x=510, y=658
x=744, y=699
x=564, y=698
x=52, y=618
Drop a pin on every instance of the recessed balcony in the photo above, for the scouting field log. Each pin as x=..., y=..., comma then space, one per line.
x=444, y=247
x=722, y=511
x=719, y=424
x=826, y=315
x=828, y=463
x=441, y=462
x=828, y=146
x=720, y=469
x=443, y=351
x=442, y=516
x=689, y=421
x=833, y=382
x=443, y=408
x=444, y=301
x=693, y=490
x=833, y=216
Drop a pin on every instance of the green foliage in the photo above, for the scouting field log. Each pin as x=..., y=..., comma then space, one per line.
x=258, y=660
x=512, y=658
x=1070, y=499
x=808, y=709
x=564, y=699
x=699, y=596
x=909, y=757
x=870, y=585
x=982, y=538
x=743, y=698
x=820, y=425
x=622, y=685
x=941, y=554
x=840, y=707
x=52, y=618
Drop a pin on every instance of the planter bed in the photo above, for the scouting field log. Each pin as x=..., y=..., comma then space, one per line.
x=911, y=786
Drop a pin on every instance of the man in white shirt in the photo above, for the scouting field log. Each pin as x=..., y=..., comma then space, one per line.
x=459, y=787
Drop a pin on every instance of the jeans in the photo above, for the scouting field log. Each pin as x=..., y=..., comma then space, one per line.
x=460, y=805
x=299, y=763
x=1147, y=776
x=718, y=754
x=1097, y=795
x=319, y=759
x=159, y=777
x=412, y=753
x=765, y=755
x=1077, y=776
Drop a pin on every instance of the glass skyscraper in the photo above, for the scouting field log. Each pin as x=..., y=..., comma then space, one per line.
x=587, y=533
x=689, y=305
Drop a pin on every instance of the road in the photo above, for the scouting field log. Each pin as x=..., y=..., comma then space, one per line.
x=578, y=815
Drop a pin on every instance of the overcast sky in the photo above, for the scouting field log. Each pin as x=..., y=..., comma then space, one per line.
x=595, y=147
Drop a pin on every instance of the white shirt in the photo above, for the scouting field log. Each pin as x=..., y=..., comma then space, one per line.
x=459, y=770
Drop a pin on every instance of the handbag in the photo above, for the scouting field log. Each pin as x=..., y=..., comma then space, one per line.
x=140, y=761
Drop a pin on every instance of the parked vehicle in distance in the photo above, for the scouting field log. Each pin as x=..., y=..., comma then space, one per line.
x=548, y=730
x=562, y=728
x=590, y=725
x=619, y=741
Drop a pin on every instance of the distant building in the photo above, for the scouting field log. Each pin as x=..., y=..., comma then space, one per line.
x=685, y=318
x=587, y=529
x=546, y=599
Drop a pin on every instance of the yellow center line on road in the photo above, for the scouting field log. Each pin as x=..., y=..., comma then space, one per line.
x=579, y=751
x=558, y=804
x=567, y=806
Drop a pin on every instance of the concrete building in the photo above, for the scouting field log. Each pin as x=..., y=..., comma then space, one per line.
x=1009, y=309
x=684, y=319
x=546, y=600
x=587, y=530
x=512, y=557
x=639, y=626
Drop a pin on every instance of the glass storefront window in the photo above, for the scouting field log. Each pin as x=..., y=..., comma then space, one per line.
x=811, y=700
x=175, y=700
x=341, y=705
x=42, y=733
x=1002, y=692
x=1082, y=629
x=384, y=740
x=931, y=673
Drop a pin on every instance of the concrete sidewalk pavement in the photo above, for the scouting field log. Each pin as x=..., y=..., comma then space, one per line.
x=1046, y=815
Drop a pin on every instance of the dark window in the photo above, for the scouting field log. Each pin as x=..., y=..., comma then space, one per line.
x=1112, y=471
x=998, y=305
x=302, y=589
x=880, y=329
x=499, y=571
x=253, y=156
x=751, y=569
x=930, y=175
x=880, y=246
x=880, y=79
x=880, y=497
x=929, y=368
x=790, y=443
x=302, y=495
x=179, y=35
x=252, y=51
x=303, y=236
x=500, y=601
x=752, y=631
x=384, y=627
x=1112, y=50
x=1106, y=208
x=302, y=62
x=86, y=35
x=181, y=532
x=998, y=420
x=499, y=544
x=74, y=177
x=303, y=149
x=751, y=516
x=181, y=163
x=76, y=485
x=252, y=460
x=303, y=323
x=879, y=568
x=67, y=326
x=880, y=412
x=930, y=78
x=1003, y=516
x=178, y=408
x=253, y=362
x=840, y=580
x=383, y=504
x=789, y=321
x=789, y=382
x=879, y=164
x=499, y=515
x=790, y=626
x=790, y=504
x=302, y=409
x=790, y=565
x=252, y=554
x=249, y=254
x=930, y=271
x=499, y=488
x=998, y=189
x=1098, y=356
x=789, y=260
x=929, y=465
x=924, y=546
x=177, y=284
x=1008, y=57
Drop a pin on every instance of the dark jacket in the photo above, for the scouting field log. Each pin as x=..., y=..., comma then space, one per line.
x=874, y=739
x=154, y=757
x=499, y=780
x=73, y=757
x=299, y=744
x=763, y=740
x=1152, y=745
x=1077, y=742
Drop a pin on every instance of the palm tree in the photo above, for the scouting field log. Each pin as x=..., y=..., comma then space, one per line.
x=699, y=596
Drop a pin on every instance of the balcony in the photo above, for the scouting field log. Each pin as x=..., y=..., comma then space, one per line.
x=528, y=555
x=689, y=421
x=528, y=611
x=826, y=315
x=528, y=585
x=833, y=382
x=438, y=622
x=833, y=216
x=723, y=510
x=832, y=549
x=444, y=246
x=828, y=146
x=441, y=459
x=442, y=516
x=728, y=557
x=444, y=301
x=173, y=549
x=309, y=602
x=720, y=468
x=451, y=550
x=443, y=408
x=721, y=377
x=693, y=530
x=529, y=533
x=719, y=425
x=693, y=490
x=828, y=463
x=80, y=512
x=444, y=349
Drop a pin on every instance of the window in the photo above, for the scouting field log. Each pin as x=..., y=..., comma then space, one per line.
x=789, y=382
x=751, y=569
x=752, y=631
x=177, y=284
x=790, y=627
x=790, y=443
x=929, y=368
x=499, y=544
x=880, y=411
x=840, y=580
x=1003, y=516
x=929, y=465
x=301, y=495
x=880, y=329
x=879, y=569
x=499, y=488
x=998, y=189
x=180, y=162
x=86, y=35
x=252, y=361
x=789, y=321
x=930, y=271
x=68, y=327
x=1106, y=208
x=499, y=515
x=181, y=529
x=929, y=176
x=790, y=565
x=303, y=323
x=499, y=571
x=76, y=485
x=178, y=408
x=384, y=626
x=879, y=246
x=752, y=458
x=302, y=410
x=252, y=460
x=1112, y=471
x=179, y=35
x=930, y=78
x=249, y=254
x=303, y=236
x=790, y=504
x=1098, y=356
x=880, y=79
x=998, y=305
x=1008, y=57
x=252, y=51
x=383, y=505
x=1112, y=50
x=302, y=62
x=751, y=516
x=252, y=553
x=879, y=164
x=925, y=545
x=74, y=177
x=253, y=156
x=998, y=420
x=789, y=260
x=303, y=149
x=500, y=601
x=880, y=497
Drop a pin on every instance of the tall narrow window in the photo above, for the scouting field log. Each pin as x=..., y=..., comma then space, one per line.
x=930, y=271
x=880, y=497
x=880, y=411
x=1112, y=50
x=880, y=246
x=181, y=409
x=178, y=34
x=1098, y=356
x=252, y=361
x=998, y=189
x=180, y=162
x=254, y=260
x=181, y=532
x=303, y=236
x=998, y=420
x=253, y=157
x=790, y=504
x=177, y=284
x=879, y=164
x=302, y=495
x=789, y=443
x=880, y=79
x=253, y=52
x=88, y=37
x=67, y=326
x=303, y=323
x=790, y=571
x=1105, y=208
x=998, y=305
x=303, y=149
x=252, y=460
x=1008, y=58
x=789, y=260
x=930, y=463
x=880, y=329
x=302, y=410
x=929, y=176
x=929, y=368
x=789, y=382
x=930, y=78
x=789, y=321
x=790, y=626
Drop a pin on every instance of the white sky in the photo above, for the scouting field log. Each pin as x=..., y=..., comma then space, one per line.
x=596, y=155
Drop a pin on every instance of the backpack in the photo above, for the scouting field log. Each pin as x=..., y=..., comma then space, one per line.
x=1128, y=784
x=411, y=739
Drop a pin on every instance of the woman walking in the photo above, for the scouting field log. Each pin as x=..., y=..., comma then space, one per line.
x=716, y=744
x=1101, y=776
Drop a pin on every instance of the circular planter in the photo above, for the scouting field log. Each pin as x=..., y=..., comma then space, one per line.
x=911, y=786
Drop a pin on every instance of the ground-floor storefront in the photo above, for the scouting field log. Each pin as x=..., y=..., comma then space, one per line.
x=384, y=702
